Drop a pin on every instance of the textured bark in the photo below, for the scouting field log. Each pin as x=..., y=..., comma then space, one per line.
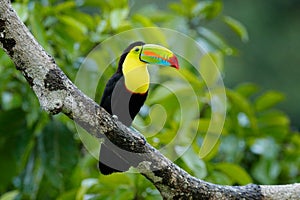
x=56, y=93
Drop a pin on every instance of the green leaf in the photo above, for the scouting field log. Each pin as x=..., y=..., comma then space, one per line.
x=235, y=172
x=266, y=171
x=279, y=133
x=210, y=64
x=30, y=178
x=115, y=3
x=74, y=23
x=89, y=21
x=268, y=100
x=117, y=16
x=115, y=186
x=238, y=100
x=11, y=101
x=194, y=80
x=10, y=195
x=69, y=195
x=86, y=184
x=216, y=40
x=178, y=8
x=213, y=152
x=145, y=21
x=247, y=89
x=58, y=152
x=219, y=178
x=22, y=10
x=273, y=118
x=158, y=117
x=37, y=27
x=237, y=27
x=89, y=141
x=207, y=9
x=170, y=88
x=201, y=125
x=12, y=132
x=63, y=38
x=232, y=148
x=194, y=163
x=243, y=105
x=64, y=6
x=267, y=147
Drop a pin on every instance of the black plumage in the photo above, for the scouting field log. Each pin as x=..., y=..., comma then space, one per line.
x=119, y=101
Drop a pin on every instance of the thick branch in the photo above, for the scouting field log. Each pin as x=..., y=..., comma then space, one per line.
x=56, y=93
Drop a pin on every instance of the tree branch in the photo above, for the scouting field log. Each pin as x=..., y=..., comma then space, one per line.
x=56, y=93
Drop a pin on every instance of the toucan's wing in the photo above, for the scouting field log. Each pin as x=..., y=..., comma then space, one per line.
x=108, y=91
x=110, y=160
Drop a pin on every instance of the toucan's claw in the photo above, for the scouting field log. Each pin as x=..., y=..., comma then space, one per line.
x=115, y=117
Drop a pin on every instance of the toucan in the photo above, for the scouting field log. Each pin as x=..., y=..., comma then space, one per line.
x=125, y=94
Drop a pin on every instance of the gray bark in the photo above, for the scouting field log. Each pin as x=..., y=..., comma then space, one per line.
x=56, y=93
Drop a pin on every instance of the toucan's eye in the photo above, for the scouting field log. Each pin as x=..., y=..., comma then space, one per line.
x=137, y=49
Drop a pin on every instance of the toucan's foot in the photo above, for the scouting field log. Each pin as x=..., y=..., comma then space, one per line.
x=115, y=117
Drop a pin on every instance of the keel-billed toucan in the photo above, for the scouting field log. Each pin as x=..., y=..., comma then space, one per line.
x=126, y=92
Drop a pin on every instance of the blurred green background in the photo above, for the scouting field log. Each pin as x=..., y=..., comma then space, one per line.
x=255, y=44
x=271, y=57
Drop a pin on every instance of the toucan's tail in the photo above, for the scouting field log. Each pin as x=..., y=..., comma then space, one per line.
x=112, y=159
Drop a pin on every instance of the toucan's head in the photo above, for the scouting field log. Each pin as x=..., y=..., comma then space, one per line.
x=149, y=54
x=134, y=60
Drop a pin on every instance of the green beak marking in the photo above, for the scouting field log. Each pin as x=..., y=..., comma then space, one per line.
x=156, y=54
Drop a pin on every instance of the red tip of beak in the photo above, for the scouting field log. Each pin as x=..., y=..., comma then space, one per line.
x=174, y=62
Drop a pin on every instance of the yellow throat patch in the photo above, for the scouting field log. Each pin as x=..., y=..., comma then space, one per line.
x=136, y=74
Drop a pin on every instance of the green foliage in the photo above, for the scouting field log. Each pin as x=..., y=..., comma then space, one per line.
x=262, y=132
x=11, y=147
x=42, y=157
x=237, y=27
